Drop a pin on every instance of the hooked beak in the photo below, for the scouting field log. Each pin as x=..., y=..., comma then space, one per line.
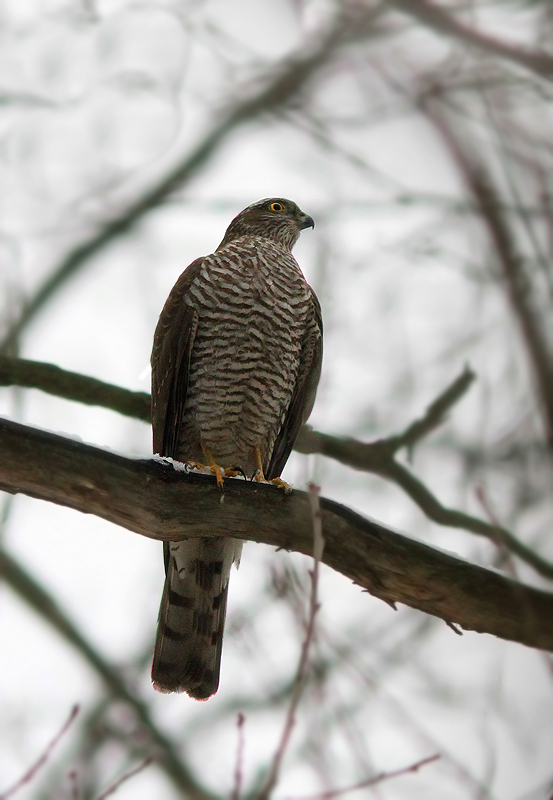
x=306, y=222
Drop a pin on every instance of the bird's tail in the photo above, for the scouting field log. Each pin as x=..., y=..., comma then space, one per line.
x=187, y=656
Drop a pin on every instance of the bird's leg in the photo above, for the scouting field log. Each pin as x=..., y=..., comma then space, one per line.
x=214, y=467
x=259, y=475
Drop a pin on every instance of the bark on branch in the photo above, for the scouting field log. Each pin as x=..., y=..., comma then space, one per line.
x=153, y=499
x=377, y=457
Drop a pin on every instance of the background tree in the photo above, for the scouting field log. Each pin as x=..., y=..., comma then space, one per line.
x=418, y=137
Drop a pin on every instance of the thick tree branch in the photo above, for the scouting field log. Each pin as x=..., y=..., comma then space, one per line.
x=375, y=457
x=155, y=500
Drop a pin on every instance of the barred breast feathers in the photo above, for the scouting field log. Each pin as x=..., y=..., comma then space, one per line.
x=253, y=302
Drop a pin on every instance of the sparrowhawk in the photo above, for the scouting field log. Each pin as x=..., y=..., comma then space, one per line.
x=235, y=365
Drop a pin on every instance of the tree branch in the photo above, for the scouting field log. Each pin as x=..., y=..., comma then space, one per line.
x=73, y=386
x=155, y=500
x=434, y=17
x=375, y=457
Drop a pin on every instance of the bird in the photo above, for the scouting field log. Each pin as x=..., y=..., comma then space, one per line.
x=236, y=361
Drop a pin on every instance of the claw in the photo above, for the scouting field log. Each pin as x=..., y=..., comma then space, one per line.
x=234, y=472
x=216, y=470
x=218, y=473
x=259, y=476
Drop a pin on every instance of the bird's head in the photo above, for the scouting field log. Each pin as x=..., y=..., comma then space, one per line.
x=273, y=218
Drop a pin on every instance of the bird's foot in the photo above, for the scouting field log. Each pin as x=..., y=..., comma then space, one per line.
x=260, y=477
x=278, y=482
x=216, y=470
x=281, y=485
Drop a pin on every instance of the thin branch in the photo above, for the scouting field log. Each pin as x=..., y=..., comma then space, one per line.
x=380, y=778
x=434, y=17
x=435, y=414
x=376, y=456
x=379, y=458
x=239, y=765
x=452, y=518
x=124, y=778
x=301, y=672
x=153, y=499
x=29, y=775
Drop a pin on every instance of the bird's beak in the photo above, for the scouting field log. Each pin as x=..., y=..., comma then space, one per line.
x=306, y=222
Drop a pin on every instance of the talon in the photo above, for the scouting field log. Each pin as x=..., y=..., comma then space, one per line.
x=281, y=485
x=218, y=473
x=216, y=470
x=234, y=472
x=259, y=475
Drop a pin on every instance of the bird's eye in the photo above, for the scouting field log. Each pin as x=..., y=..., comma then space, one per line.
x=278, y=207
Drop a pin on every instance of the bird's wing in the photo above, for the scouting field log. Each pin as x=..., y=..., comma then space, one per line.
x=173, y=342
x=303, y=398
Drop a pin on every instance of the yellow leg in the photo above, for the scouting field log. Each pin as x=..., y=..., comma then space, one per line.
x=259, y=475
x=214, y=467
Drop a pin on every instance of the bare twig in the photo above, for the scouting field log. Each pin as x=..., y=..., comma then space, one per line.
x=435, y=414
x=380, y=778
x=452, y=518
x=301, y=672
x=374, y=456
x=74, y=781
x=239, y=766
x=379, y=458
x=130, y=774
x=30, y=774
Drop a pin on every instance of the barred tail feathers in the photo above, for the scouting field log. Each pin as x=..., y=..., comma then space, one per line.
x=187, y=656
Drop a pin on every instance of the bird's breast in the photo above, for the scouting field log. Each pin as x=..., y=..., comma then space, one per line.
x=252, y=302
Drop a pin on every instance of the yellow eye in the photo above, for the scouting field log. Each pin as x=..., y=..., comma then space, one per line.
x=278, y=207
